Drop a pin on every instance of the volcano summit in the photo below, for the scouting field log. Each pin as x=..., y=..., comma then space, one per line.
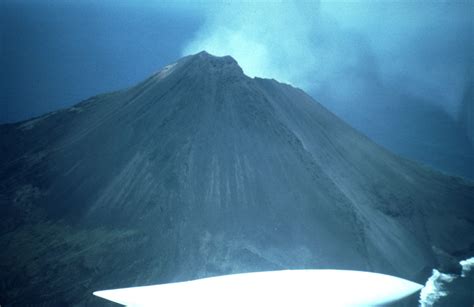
x=200, y=171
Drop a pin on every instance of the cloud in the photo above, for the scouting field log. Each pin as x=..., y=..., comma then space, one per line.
x=449, y=289
x=267, y=40
x=434, y=288
x=344, y=50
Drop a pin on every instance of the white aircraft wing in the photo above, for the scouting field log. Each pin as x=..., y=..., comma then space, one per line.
x=273, y=288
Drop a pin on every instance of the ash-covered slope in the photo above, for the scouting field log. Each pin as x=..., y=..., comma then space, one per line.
x=467, y=111
x=200, y=170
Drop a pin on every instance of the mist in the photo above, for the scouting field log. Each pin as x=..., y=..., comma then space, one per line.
x=399, y=72
x=348, y=45
x=396, y=71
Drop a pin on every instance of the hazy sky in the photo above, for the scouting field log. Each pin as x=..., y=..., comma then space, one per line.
x=370, y=62
x=342, y=48
x=56, y=52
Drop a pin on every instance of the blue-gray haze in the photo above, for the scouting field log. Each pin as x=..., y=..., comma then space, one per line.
x=200, y=170
x=400, y=72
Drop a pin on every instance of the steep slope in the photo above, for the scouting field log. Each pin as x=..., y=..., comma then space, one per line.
x=467, y=111
x=416, y=129
x=200, y=170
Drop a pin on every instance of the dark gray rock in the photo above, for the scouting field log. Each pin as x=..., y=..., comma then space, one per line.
x=199, y=171
x=467, y=111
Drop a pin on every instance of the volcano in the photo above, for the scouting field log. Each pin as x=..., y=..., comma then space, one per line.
x=200, y=171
